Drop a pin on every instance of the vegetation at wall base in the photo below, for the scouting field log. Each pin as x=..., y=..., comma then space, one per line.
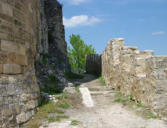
x=129, y=102
x=71, y=75
x=50, y=111
x=102, y=80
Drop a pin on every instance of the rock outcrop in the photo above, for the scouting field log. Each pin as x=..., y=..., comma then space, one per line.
x=137, y=73
x=52, y=61
x=32, y=43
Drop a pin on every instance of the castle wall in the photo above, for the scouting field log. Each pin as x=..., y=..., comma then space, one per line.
x=19, y=35
x=136, y=73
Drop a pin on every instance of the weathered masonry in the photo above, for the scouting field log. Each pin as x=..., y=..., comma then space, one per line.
x=32, y=43
x=19, y=32
x=137, y=73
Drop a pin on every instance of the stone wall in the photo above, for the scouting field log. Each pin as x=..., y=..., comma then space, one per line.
x=52, y=60
x=19, y=35
x=136, y=73
x=32, y=43
x=93, y=64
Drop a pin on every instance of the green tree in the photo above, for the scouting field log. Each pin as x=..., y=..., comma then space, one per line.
x=77, y=53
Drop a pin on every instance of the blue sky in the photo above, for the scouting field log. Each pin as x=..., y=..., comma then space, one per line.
x=143, y=23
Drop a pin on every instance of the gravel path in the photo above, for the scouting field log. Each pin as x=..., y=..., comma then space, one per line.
x=105, y=113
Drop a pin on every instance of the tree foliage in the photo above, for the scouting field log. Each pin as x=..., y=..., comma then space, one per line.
x=77, y=53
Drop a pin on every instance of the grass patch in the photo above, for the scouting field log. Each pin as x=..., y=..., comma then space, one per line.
x=77, y=89
x=59, y=117
x=75, y=122
x=51, y=119
x=151, y=115
x=47, y=108
x=119, y=100
x=139, y=104
x=129, y=101
x=131, y=98
x=64, y=105
x=71, y=75
x=101, y=79
x=42, y=113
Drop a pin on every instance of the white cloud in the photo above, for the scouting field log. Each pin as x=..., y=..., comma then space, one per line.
x=82, y=20
x=77, y=2
x=158, y=33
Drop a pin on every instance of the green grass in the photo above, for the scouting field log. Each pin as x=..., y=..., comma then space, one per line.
x=77, y=89
x=51, y=119
x=131, y=98
x=129, y=101
x=101, y=79
x=119, y=100
x=59, y=117
x=64, y=105
x=48, y=108
x=71, y=75
x=75, y=122
x=139, y=104
x=151, y=115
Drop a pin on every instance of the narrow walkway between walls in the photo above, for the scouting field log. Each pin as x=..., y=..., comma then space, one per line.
x=99, y=109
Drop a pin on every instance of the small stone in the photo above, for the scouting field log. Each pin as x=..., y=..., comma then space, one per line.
x=70, y=84
x=70, y=90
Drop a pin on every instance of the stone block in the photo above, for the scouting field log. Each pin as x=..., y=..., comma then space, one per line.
x=21, y=59
x=22, y=49
x=6, y=111
x=165, y=71
x=14, y=58
x=1, y=68
x=10, y=90
x=9, y=46
x=6, y=9
x=21, y=118
x=3, y=57
x=11, y=69
x=31, y=104
x=146, y=54
x=3, y=36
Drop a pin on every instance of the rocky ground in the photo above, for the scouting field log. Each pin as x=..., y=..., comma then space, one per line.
x=101, y=110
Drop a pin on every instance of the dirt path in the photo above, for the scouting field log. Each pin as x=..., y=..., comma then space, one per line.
x=105, y=113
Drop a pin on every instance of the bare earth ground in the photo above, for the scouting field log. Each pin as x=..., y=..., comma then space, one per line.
x=105, y=113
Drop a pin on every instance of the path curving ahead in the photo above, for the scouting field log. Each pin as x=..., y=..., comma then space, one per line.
x=104, y=113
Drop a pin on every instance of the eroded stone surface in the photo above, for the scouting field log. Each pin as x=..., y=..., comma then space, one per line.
x=52, y=57
x=136, y=73
x=19, y=35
